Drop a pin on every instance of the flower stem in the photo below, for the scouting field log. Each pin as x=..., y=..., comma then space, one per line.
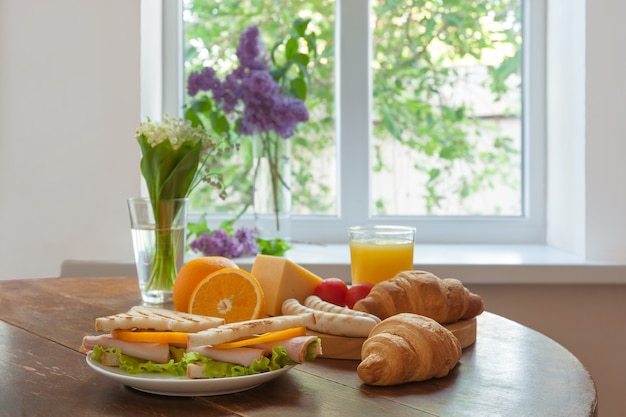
x=168, y=240
x=271, y=151
x=275, y=174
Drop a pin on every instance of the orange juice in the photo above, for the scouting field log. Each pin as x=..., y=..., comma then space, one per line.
x=374, y=261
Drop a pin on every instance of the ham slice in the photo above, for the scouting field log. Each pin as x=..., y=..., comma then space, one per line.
x=296, y=347
x=241, y=356
x=155, y=352
x=195, y=370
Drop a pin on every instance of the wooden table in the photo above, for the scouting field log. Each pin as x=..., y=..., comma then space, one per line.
x=511, y=370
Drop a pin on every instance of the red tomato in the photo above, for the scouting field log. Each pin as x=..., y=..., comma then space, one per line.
x=357, y=292
x=332, y=290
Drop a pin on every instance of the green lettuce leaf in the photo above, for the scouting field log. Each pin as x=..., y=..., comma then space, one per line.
x=212, y=369
x=311, y=352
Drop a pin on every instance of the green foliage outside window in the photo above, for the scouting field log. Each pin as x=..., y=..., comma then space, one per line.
x=422, y=51
x=419, y=52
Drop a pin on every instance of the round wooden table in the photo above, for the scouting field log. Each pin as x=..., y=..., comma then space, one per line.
x=510, y=370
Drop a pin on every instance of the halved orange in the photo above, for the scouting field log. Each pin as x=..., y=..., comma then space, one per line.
x=230, y=293
x=192, y=273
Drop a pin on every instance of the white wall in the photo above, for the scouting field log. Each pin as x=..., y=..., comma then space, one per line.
x=605, y=150
x=587, y=147
x=69, y=107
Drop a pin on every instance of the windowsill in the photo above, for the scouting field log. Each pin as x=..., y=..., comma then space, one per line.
x=472, y=264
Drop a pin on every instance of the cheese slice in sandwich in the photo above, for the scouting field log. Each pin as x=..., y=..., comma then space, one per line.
x=157, y=319
x=243, y=329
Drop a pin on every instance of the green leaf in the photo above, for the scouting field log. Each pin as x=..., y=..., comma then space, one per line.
x=291, y=48
x=155, y=165
x=183, y=166
x=311, y=43
x=197, y=229
x=302, y=59
x=193, y=117
x=278, y=73
x=274, y=247
x=168, y=173
x=202, y=104
x=389, y=121
x=433, y=174
x=197, y=107
x=300, y=26
x=220, y=123
x=298, y=87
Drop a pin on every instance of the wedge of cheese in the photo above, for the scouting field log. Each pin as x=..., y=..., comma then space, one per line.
x=281, y=279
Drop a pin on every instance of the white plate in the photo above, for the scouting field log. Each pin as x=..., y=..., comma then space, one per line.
x=181, y=386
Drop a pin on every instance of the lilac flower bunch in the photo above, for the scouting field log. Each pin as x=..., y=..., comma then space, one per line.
x=262, y=98
x=220, y=243
x=264, y=106
x=228, y=242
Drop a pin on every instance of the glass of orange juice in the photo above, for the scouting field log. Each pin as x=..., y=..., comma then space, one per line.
x=378, y=253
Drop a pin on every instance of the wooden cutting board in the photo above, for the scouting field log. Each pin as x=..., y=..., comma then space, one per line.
x=339, y=347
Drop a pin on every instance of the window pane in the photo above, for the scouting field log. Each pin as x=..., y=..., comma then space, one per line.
x=447, y=108
x=211, y=36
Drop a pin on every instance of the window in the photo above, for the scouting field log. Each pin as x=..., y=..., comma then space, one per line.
x=359, y=117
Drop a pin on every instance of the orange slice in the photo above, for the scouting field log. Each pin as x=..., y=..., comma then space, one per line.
x=230, y=293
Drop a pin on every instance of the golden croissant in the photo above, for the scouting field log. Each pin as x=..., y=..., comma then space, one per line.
x=405, y=348
x=419, y=292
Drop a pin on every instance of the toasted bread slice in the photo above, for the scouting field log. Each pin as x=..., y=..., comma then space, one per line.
x=158, y=319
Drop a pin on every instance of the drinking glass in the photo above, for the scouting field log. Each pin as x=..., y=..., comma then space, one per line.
x=378, y=253
x=158, y=232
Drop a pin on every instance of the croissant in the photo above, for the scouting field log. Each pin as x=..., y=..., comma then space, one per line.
x=419, y=292
x=405, y=348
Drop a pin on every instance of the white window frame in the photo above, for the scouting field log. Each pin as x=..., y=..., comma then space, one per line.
x=354, y=103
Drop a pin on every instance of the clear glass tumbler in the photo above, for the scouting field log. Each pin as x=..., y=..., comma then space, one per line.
x=158, y=233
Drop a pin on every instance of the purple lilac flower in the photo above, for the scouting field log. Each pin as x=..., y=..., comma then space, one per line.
x=276, y=113
x=287, y=112
x=265, y=108
x=206, y=245
x=260, y=84
x=219, y=243
x=251, y=52
x=232, y=248
x=247, y=238
x=230, y=93
x=220, y=234
x=204, y=80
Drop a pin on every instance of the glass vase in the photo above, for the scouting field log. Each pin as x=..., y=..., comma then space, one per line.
x=272, y=186
x=158, y=233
